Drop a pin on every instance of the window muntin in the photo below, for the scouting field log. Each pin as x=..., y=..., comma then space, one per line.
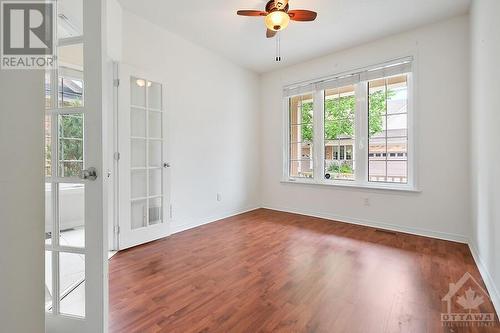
x=388, y=130
x=339, y=129
x=379, y=151
x=301, y=136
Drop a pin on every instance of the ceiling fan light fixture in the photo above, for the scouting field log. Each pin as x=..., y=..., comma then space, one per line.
x=277, y=20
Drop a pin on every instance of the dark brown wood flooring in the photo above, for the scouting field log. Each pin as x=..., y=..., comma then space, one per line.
x=268, y=271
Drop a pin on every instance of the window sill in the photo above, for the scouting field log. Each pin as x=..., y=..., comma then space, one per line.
x=348, y=184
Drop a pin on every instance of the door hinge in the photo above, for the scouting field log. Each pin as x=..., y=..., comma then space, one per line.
x=116, y=229
x=116, y=156
x=116, y=82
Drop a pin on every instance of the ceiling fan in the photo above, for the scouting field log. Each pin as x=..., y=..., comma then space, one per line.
x=277, y=16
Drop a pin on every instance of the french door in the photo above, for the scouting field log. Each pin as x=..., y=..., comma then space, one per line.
x=75, y=243
x=144, y=191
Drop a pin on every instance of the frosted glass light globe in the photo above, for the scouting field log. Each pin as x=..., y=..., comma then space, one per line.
x=277, y=20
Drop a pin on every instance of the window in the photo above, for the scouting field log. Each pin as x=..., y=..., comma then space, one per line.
x=361, y=121
x=301, y=136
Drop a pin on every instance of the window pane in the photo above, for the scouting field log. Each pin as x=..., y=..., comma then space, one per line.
x=301, y=133
x=138, y=214
x=397, y=171
x=48, y=281
x=137, y=123
x=155, y=125
x=301, y=169
x=154, y=95
x=138, y=92
x=397, y=125
x=301, y=136
x=155, y=211
x=72, y=283
x=138, y=153
x=70, y=145
x=155, y=182
x=71, y=87
x=301, y=109
x=301, y=151
x=49, y=222
x=388, y=131
x=397, y=97
x=72, y=215
x=48, y=91
x=69, y=18
x=339, y=133
x=138, y=185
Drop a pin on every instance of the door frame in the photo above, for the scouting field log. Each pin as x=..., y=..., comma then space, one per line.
x=123, y=72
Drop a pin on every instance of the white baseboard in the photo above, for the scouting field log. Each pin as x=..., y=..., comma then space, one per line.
x=184, y=227
x=487, y=278
x=375, y=224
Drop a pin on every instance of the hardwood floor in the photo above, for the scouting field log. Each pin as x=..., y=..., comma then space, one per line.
x=268, y=271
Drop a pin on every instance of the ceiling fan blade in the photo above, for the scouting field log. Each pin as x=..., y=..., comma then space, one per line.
x=270, y=33
x=251, y=13
x=302, y=15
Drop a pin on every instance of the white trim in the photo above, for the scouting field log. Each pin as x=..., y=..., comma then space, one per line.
x=375, y=224
x=176, y=229
x=487, y=278
x=354, y=184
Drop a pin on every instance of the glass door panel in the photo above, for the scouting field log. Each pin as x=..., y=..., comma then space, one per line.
x=143, y=170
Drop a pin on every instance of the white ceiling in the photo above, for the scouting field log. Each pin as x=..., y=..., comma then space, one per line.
x=340, y=24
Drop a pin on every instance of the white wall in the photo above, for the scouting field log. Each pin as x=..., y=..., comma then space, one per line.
x=485, y=117
x=441, y=209
x=213, y=110
x=21, y=201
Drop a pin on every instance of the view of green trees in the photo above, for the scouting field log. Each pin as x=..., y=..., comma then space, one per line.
x=339, y=120
x=339, y=115
x=71, y=144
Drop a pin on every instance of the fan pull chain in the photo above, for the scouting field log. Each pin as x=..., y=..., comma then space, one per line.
x=278, y=48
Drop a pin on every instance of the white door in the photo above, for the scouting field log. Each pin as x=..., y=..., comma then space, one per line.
x=143, y=189
x=75, y=243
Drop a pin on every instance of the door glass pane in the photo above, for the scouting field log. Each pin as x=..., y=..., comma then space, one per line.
x=70, y=145
x=155, y=182
x=155, y=153
x=71, y=283
x=48, y=145
x=138, y=214
x=48, y=281
x=155, y=125
x=137, y=92
x=154, y=95
x=138, y=184
x=71, y=86
x=72, y=215
x=155, y=211
x=48, y=214
x=138, y=153
x=69, y=18
x=138, y=122
x=48, y=91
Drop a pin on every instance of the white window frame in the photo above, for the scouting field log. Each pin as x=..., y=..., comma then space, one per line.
x=360, y=148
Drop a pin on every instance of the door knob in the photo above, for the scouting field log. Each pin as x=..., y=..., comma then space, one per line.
x=89, y=174
x=166, y=165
